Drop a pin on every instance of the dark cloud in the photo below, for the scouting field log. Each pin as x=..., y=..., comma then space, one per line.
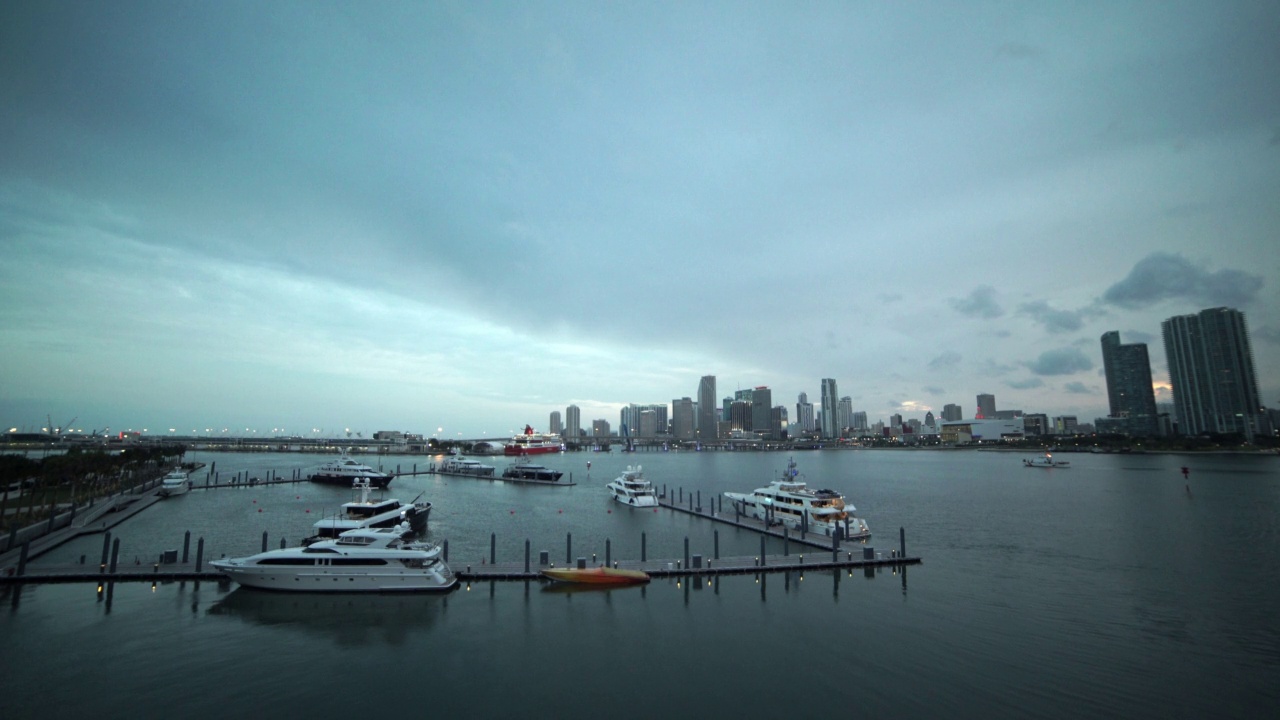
x=1063, y=361
x=944, y=361
x=1025, y=384
x=1077, y=388
x=934, y=390
x=1054, y=320
x=980, y=303
x=1163, y=276
x=1138, y=336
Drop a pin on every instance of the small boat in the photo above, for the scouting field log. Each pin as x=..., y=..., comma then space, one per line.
x=463, y=466
x=522, y=469
x=364, y=560
x=597, y=576
x=176, y=482
x=345, y=470
x=630, y=488
x=1045, y=462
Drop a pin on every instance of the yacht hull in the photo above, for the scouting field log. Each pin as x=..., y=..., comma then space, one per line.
x=337, y=580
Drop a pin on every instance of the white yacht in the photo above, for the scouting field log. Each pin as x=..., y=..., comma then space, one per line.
x=790, y=502
x=1046, y=461
x=344, y=470
x=463, y=466
x=366, y=513
x=365, y=560
x=630, y=488
x=176, y=482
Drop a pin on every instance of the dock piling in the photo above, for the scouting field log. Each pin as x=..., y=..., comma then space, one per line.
x=115, y=554
x=902, y=541
x=686, y=551
x=22, y=557
x=493, y=548
x=526, y=555
x=200, y=554
x=186, y=546
x=643, y=543
x=106, y=550
x=264, y=541
x=568, y=548
x=716, y=536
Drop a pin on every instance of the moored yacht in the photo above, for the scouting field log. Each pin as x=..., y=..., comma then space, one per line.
x=463, y=466
x=176, y=482
x=630, y=488
x=363, y=560
x=790, y=502
x=522, y=469
x=344, y=470
x=366, y=513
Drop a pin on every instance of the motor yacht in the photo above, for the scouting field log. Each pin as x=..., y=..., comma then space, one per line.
x=463, y=466
x=366, y=513
x=363, y=560
x=524, y=470
x=790, y=502
x=630, y=488
x=176, y=482
x=1046, y=461
x=344, y=470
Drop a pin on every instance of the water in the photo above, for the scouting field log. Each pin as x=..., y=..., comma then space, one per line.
x=1106, y=589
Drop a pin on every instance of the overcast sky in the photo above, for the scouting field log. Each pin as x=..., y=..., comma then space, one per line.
x=455, y=218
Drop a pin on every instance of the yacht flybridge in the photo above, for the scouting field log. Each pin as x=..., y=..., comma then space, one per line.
x=790, y=502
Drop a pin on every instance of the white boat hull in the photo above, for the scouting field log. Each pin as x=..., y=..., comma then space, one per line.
x=171, y=490
x=637, y=501
x=340, y=580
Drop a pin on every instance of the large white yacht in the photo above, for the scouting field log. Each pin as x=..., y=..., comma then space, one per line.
x=365, y=560
x=790, y=502
x=366, y=513
x=463, y=466
x=630, y=488
x=344, y=470
x=176, y=482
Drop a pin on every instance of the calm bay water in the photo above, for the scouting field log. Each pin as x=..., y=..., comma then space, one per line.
x=1113, y=588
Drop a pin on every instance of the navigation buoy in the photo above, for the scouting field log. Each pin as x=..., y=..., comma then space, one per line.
x=259, y=509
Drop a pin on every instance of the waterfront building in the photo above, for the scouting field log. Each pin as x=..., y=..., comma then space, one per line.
x=895, y=421
x=600, y=428
x=928, y=420
x=555, y=425
x=830, y=399
x=960, y=432
x=778, y=425
x=1036, y=424
x=844, y=415
x=707, y=417
x=761, y=411
x=573, y=422
x=859, y=421
x=951, y=412
x=682, y=419
x=1130, y=393
x=1065, y=425
x=804, y=414
x=1215, y=388
x=986, y=406
x=740, y=415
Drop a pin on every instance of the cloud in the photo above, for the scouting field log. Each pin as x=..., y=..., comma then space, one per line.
x=980, y=303
x=1056, y=321
x=1025, y=384
x=1266, y=333
x=1063, y=361
x=945, y=361
x=1164, y=276
x=934, y=390
x=1138, y=336
x=1077, y=388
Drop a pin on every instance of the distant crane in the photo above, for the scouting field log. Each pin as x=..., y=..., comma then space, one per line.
x=57, y=431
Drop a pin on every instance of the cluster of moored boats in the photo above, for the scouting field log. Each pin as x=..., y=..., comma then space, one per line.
x=377, y=545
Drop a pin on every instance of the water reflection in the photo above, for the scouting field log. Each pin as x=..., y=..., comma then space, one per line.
x=348, y=619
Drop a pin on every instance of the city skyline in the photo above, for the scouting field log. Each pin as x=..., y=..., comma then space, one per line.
x=456, y=219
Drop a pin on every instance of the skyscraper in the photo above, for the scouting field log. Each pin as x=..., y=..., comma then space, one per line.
x=708, y=415
x=1215, y=388
x=804, y=414
x=951, y=412
x=986, y=406
x=555, y=426
x=830, y=401
x=682, y=418
x=572, y=422
x=762, y=411
x=1129, y=389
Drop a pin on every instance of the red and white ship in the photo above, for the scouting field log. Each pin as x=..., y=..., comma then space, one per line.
x=532, y=443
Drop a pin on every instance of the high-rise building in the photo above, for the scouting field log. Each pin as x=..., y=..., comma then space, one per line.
x=762, y=411
x=708, y=415
x=1129, y=388
x=830, y=401
x=804, y=414
x=740, y=415
x=682, y=418
x=572, y=422
x=778, y=426
x=859, y=421
x=600, y=428
x=844, y=415
x=986, y=406
x=951, y=413
x=928, y=419
x=1215, y=388
x=555, y=426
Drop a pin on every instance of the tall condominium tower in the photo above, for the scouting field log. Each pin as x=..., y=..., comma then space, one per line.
x=804, y=414
x=762, y=411
x=682, y=418
x=844, y=415
x=555, y=427
x=830, y=402
x=986, y=406
x=572, y=422
x=708, y=417
x=1129, y=390
x=951, y=412
x=1211, y=370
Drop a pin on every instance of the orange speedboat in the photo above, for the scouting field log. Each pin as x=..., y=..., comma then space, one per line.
x=597, y=576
